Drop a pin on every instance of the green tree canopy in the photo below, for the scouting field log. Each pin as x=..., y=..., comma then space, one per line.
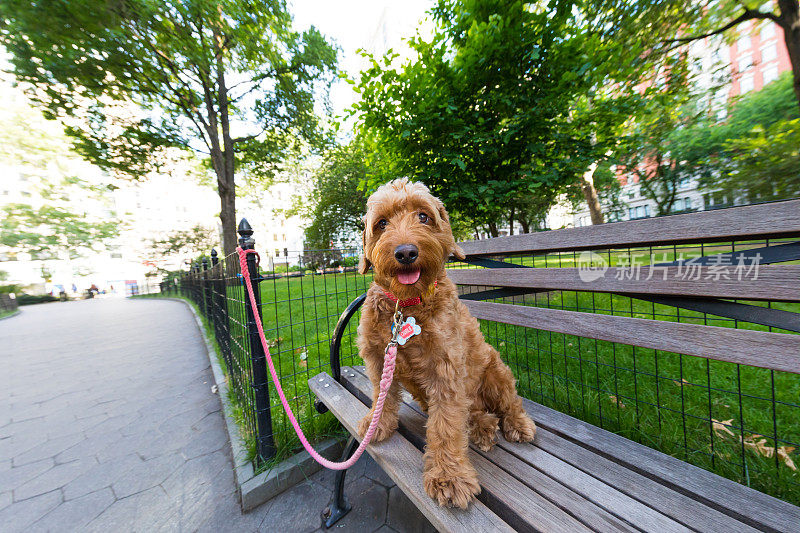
x=754, y=152
x=337, y=205
x=185, y=244
x=229, y=79
x=655, y=29
x=508, y=105
x=471, y=115
x=66, y=214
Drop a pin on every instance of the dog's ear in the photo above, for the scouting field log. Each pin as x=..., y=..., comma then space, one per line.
x=364, y=264
x=455, y=250
x=442, y=212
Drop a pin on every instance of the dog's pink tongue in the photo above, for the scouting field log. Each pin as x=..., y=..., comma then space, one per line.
x=407, y=278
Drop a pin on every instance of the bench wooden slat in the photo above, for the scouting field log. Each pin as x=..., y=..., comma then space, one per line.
x=403, y=463
x=586, y=498
x=777, y=351
x=593, y=473
x=586, y=469
x=778, y=219
x=743, y=503
x=776, y=283
x=513, y=501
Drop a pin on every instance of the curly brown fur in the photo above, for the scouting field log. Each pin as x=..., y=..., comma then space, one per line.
x=449, y=368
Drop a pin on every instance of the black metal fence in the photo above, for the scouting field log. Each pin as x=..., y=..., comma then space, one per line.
x=300, y=295
x=738, y=421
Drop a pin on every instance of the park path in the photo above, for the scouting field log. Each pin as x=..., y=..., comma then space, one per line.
x=108, y=423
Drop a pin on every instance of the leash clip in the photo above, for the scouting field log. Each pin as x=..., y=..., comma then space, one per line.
x=397, y=322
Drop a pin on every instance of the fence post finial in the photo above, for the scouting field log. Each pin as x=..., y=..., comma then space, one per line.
x=214, y=258
x=245, y=231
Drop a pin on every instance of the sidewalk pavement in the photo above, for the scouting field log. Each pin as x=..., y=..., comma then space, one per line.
x=108, y=423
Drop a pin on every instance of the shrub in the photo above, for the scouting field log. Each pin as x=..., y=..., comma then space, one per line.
x=30, y=299
x=8, y=289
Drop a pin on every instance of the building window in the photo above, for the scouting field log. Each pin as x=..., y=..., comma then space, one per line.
x=746, y=84
x=769, y=53
x=687, y=203
x=770, y=74
x=745, y=63
x=768, y=31
x=743, y=43
x=642, y=211
x=684, y=183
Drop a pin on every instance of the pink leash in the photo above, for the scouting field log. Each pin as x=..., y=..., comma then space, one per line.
x=386, y=380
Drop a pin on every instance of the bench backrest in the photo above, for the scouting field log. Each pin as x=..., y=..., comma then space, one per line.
x=703, y=262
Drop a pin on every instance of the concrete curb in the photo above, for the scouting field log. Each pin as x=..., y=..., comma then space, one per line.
x=12, y=315
x=257, y=489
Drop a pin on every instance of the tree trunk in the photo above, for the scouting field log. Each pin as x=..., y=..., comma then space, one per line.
x=227, y=215
x=511, y=222
x=590, y=195
x=526, y=227
x=227, y=199
x=493, y=229
x=790, y=22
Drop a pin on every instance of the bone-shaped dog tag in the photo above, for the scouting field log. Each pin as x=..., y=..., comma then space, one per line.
x=408, y=329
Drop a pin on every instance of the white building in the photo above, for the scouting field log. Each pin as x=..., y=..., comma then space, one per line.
x=275, y=232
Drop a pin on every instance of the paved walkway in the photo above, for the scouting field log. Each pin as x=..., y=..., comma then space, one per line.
x=108, y=423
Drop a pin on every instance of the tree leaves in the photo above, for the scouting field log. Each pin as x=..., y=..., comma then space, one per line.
x=754, y=442
x=227, y=79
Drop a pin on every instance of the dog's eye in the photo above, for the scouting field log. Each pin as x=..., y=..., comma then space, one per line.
x=383, y=223
x=423, y=218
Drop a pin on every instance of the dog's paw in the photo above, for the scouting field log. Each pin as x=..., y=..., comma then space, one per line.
x=383, y=431
x=483, y=431
x=519, y=429
x=452, y=491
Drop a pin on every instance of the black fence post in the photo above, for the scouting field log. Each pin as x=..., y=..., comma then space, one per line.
x=206, y=290
x=219, y=307
x=266, y=442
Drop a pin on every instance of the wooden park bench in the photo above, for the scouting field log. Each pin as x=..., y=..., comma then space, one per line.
x=576, y=476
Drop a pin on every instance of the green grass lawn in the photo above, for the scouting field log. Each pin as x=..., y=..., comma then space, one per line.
x=299, y=316
x=664, y=400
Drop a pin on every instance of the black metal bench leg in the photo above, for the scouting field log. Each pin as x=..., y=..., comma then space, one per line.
x=339, y=505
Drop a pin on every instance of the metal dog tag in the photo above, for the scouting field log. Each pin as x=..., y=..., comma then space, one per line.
x=408, y=329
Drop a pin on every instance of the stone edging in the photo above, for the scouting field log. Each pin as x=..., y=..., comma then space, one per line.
x=12, y=315
x=257, y=489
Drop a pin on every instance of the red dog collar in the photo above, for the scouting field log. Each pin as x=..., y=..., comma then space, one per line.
x=416, y=300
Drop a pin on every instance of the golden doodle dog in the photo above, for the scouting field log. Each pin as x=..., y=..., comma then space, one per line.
x=454, y=375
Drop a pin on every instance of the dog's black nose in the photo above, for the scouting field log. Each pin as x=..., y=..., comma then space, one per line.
x=406, y=254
